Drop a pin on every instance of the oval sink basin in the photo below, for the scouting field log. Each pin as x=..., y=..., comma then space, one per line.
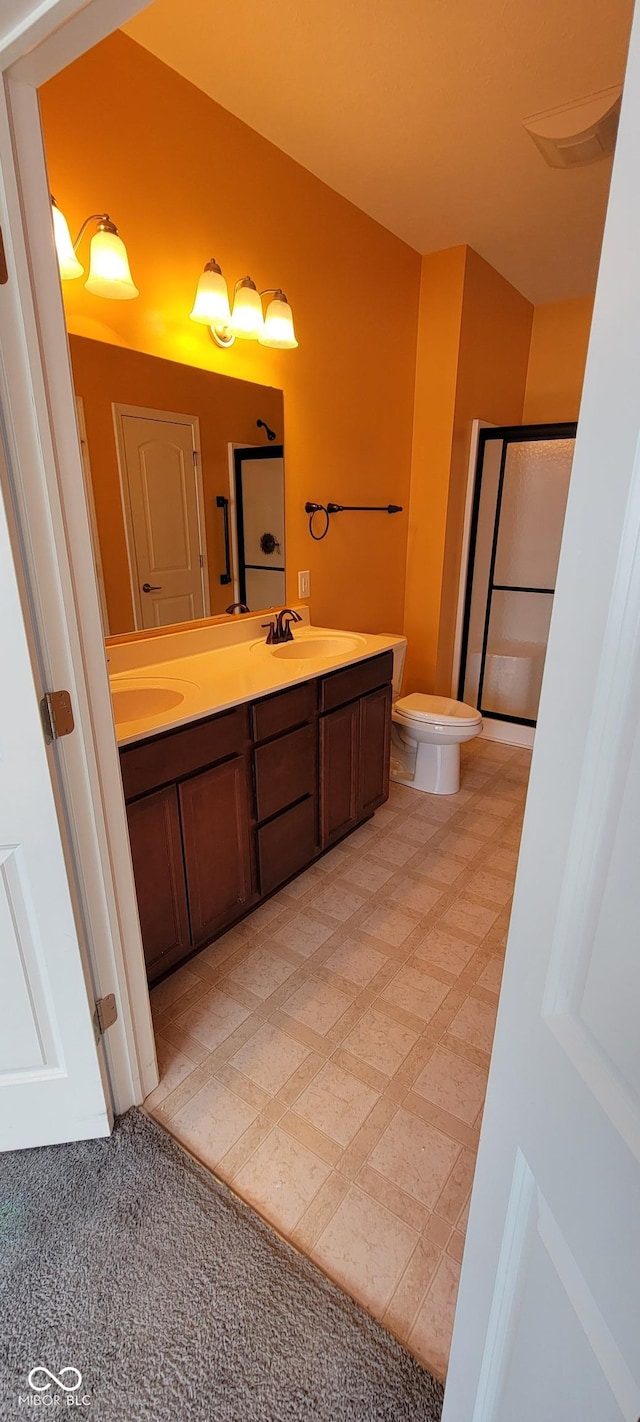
x=132, y=703
x=308, y=647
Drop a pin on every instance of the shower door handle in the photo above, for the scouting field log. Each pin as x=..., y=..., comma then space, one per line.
x=222, y=503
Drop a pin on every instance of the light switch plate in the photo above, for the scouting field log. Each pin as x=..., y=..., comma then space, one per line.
x=304, y=584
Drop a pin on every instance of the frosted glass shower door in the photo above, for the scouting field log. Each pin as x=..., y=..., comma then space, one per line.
x=522, y=482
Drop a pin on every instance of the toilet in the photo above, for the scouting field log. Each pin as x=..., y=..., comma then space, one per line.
x=426, y=737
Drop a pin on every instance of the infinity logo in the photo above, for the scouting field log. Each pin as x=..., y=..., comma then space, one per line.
x=44, y=1386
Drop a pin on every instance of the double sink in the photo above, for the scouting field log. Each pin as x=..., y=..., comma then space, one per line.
x=136, y=697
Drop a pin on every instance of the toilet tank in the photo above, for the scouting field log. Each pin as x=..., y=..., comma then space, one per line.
x=399, y=656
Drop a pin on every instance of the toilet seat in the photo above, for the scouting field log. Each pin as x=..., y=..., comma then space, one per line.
x=436, y=711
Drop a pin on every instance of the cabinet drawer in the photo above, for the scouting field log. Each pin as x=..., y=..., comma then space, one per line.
x=287, y=844
x=289, y=708
x=178, y=753
x=343, y=686
x=285, y=770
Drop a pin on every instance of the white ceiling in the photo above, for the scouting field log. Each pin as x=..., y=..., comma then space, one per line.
x=413, y=110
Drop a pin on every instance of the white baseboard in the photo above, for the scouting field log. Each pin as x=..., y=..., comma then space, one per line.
x=509, y=732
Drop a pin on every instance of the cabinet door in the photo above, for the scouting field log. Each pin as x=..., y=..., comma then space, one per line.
x=339, y=743
x=217, y=847
x=156, y=850
x=375, y=732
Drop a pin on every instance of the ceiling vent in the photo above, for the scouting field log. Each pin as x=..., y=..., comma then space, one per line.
x=576, y=134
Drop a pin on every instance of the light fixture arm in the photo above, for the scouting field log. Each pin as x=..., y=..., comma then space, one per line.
x=104, y=223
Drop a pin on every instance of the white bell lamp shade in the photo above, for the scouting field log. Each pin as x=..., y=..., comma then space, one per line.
x=278, y=325
x=247, y=320
x=68, y=263
x=109, y=273
x=211, y=305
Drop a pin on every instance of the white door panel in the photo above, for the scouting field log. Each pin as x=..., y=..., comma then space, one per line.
x=50, y=1083
x=548, y=1317
x=161, y=496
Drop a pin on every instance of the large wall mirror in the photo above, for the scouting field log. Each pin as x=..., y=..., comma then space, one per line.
x=185, y=484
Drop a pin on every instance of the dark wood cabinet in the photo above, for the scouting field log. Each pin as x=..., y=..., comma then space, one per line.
x=156, y=851
x=354, y=762
x=285, y=771
x=224, y=811
x=287, y=844
x=375, y=749
x=217, y=847
x=339, y=772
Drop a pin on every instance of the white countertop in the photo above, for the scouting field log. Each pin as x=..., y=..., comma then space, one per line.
x=189, y=680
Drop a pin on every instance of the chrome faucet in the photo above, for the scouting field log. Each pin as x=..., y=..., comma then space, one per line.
x=280, y=627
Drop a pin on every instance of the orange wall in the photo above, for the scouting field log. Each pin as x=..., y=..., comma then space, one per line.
x=473, y=345
x=185, y=180
x=227, y=411
x=495, y=334
x=441, y=296
x=557, y=359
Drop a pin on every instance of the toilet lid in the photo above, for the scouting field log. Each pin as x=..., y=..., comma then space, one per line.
x=418, y=707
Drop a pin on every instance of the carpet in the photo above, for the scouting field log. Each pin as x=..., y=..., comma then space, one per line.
x=125, y=1261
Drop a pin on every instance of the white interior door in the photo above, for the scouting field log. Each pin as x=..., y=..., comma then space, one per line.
x=548, y=1318
x=50, y=1082
x=166, y=540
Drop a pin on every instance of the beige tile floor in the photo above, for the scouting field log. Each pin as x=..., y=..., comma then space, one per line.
x=328, y=1057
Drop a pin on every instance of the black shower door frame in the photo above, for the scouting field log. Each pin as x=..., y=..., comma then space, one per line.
x=509, y=434
x=240, y=454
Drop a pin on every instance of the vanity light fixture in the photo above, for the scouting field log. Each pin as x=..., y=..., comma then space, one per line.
x=211, y=305
x=245, y=319
x=278, y=323
x=109, y=271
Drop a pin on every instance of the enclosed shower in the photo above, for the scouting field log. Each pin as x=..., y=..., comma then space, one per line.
x=520, y=495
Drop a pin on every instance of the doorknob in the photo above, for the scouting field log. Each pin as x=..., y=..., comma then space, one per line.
x=152, y=587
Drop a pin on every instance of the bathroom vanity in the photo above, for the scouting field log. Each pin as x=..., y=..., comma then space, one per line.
x=225, y=809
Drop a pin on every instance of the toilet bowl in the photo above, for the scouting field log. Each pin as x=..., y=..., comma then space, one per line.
x=426, y=738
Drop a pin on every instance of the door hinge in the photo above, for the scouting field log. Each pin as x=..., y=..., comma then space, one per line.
x=201, y=556
x=194, y=453
x=106, y=1013
x=57, y=715
x=4, y=274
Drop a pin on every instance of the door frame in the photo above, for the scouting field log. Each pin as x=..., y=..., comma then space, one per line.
x=472, y=468
x=52, y=530
x=169, y=417
x=91, y=510
x=509, y=434
x=52, y=541
x=509, y=732
x=271, y=451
